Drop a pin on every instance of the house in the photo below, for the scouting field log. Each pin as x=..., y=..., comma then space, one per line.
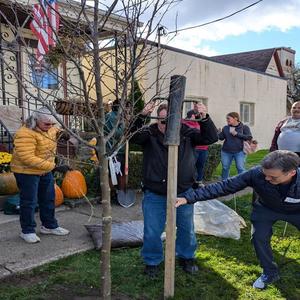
x=253, y=84
x=276, y=61
x=22, y=79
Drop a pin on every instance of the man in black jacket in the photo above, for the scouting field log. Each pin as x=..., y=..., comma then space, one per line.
x=155, y=161
x=277, y=184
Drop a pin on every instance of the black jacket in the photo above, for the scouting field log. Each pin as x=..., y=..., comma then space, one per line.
x=268, y=194
x=234, y=144
x=155, y=159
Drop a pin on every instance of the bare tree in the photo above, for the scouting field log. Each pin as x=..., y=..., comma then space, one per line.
x=100, y=51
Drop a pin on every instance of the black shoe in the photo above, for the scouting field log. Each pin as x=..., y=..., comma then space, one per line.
x=151, y=271
x=188, y=265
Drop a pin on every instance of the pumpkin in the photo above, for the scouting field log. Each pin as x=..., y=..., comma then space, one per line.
x=8, y=184
x=74, y=185
x=59, y=196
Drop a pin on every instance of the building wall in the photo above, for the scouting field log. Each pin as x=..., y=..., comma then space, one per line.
x=225, y=87
x=272, y=68
x=287, y=58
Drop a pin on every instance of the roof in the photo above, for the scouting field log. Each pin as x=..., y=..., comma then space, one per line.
x=256, y=60
x=215, y=59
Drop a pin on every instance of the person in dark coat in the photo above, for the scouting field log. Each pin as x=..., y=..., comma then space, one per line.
x=233, y=134
x=155, y=174
x=277, y=184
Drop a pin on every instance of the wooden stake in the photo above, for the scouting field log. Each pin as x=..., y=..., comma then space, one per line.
x=171, y=222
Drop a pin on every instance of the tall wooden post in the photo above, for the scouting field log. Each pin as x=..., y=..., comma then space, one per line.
x=172, y=139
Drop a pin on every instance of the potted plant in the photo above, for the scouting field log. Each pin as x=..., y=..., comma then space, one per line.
x=8, y=184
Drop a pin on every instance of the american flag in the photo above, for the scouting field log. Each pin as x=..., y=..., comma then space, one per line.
x=44, y=25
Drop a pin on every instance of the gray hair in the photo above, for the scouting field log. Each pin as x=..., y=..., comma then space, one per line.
x=283, y=160
x=42, y=114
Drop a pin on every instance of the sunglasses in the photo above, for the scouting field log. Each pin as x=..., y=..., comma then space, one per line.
x=49, y=124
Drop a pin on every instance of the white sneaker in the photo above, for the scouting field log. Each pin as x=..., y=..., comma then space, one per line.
x=55, y=231
x=264, y=280
x=30, y=237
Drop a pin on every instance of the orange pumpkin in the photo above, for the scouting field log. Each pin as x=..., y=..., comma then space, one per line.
x=59, y=196
x=74, y=185
x=8, y=184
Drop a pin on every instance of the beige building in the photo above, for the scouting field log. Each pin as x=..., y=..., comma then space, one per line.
x=21, y=79
x=257, y=90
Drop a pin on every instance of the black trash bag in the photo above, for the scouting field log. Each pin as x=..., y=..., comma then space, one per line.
x=124, y=234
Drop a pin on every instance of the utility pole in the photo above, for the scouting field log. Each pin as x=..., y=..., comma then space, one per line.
x=160, y=32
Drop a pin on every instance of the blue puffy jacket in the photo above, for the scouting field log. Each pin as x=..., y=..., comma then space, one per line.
x=269, y=194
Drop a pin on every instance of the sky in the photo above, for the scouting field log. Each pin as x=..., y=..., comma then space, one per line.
x=269, y=24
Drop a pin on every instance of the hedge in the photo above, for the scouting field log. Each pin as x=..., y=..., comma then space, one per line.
x=136, y=160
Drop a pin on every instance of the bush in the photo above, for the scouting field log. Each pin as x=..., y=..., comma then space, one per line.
x=213, y=160
x=136, y=162
x=135, y=169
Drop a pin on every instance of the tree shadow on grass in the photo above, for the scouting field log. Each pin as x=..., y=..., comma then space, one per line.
x=241, y=254
x=206, y=284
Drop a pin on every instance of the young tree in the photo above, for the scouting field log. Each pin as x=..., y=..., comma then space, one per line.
x=98, y=54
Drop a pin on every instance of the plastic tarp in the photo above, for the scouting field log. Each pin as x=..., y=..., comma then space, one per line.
x=212, y=217
x=124, y=234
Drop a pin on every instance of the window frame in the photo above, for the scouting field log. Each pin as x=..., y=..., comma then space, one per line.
x=251, y=113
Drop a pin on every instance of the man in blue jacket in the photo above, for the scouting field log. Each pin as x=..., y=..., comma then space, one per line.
x=277, y=184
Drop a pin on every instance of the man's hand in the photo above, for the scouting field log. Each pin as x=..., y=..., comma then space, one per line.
x=180, y=201
x=201, y=110
x=148, y=109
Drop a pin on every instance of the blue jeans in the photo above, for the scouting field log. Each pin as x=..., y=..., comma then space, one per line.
x=227, y=158
x=201, y=157
x=154, y=210
x=262, y=219
x=36, y=189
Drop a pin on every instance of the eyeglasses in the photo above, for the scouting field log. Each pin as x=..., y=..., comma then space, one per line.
x=49, y=124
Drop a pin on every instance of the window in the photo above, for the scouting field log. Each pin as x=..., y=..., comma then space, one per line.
x=247, y=113
x=189, y=104
x=44, y=76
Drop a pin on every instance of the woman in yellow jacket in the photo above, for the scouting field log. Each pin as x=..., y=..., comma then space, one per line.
x=32, y=163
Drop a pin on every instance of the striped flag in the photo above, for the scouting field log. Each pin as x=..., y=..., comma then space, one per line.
x=44, y=25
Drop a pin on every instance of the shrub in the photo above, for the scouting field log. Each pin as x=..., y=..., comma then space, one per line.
x=136, y=161
x=135, y=169
x=213, y=160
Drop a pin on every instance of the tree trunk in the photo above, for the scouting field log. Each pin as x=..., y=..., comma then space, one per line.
x=106, y=231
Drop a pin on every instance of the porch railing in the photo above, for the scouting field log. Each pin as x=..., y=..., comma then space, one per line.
x=6, y=139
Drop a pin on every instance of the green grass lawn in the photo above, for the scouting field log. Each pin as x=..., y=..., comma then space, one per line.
x=227, y=271
x=252, y=160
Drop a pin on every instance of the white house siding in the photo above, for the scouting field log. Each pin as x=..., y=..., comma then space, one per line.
x=225, y=88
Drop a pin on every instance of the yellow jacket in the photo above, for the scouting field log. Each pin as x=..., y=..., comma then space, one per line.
x=34, y=151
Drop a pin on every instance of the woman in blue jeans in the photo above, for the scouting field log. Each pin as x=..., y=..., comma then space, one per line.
x=32, y=164
x=233, y=134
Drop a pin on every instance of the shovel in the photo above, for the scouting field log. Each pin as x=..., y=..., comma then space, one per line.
x=126, y=197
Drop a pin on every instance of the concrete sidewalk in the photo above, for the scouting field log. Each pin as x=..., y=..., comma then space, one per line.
x=17, y=256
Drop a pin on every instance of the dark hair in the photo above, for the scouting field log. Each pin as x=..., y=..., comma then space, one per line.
x=234, y=115
x=283, y=160
x=162, y=107
x=115, y=105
